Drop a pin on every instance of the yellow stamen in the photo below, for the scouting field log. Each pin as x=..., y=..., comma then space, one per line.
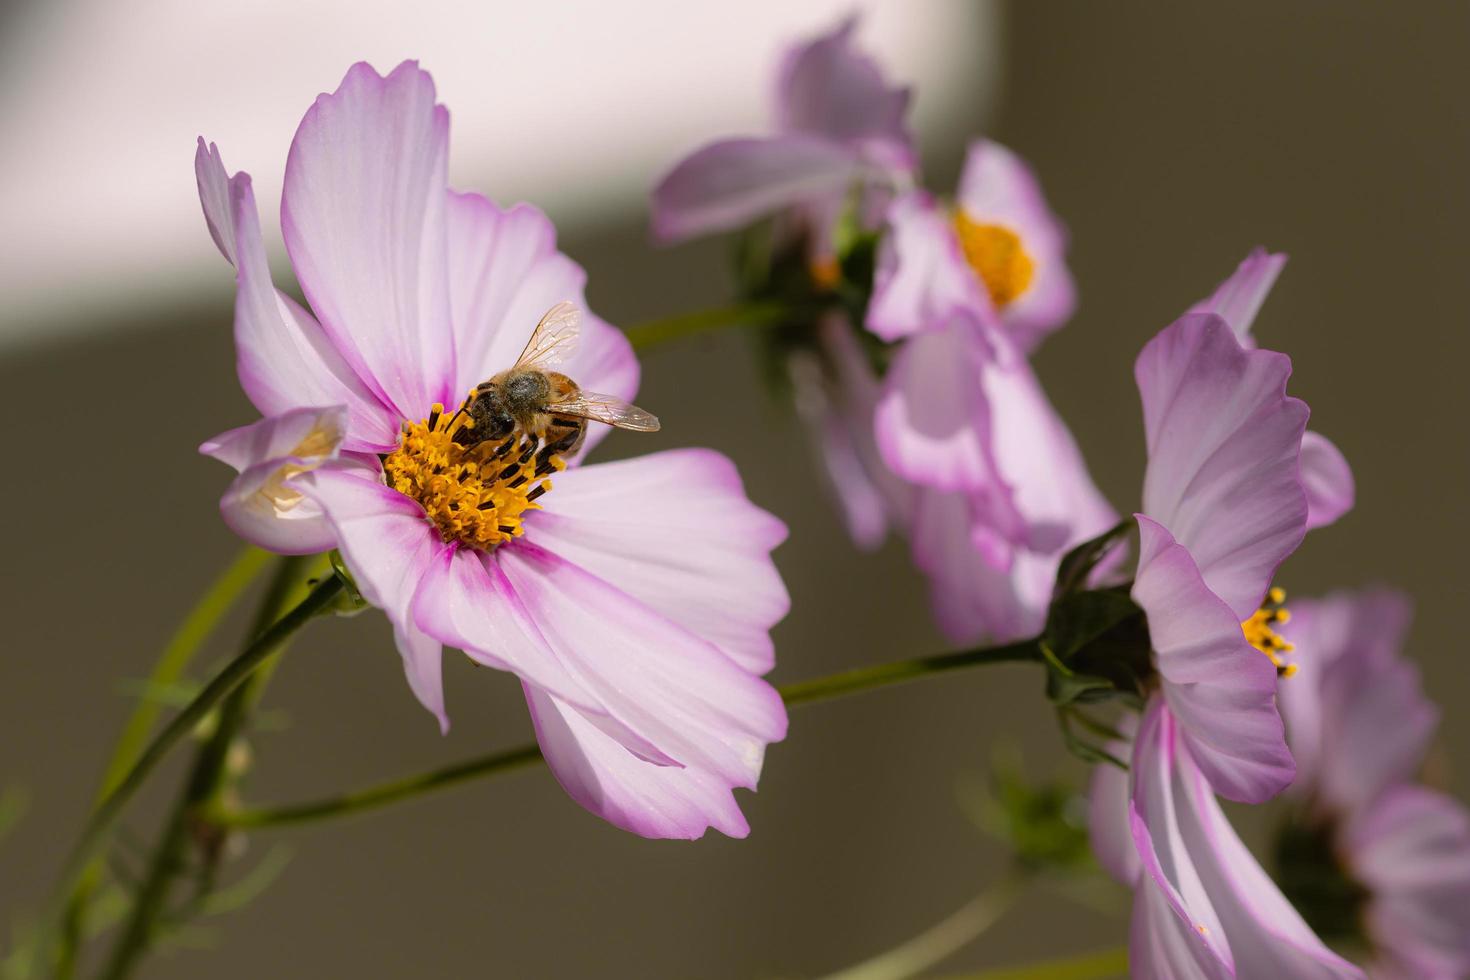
x=475, y=494
x=1260, y=633
x=997, y=256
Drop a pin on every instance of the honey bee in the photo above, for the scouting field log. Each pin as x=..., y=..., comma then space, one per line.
x=546, y=406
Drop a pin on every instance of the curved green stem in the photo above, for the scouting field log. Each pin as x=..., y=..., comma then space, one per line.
x=703, y=321
x=232, y=676
x=944, y=938
x=802, y=692
x=175, y=658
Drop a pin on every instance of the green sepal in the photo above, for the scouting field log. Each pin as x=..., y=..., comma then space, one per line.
x=1078, y=563
x=349, y=601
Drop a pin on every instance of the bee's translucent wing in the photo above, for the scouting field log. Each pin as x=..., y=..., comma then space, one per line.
x=606, y=408
x=554, y=340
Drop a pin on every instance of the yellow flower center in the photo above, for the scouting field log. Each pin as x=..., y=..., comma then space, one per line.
x=996, y=255
x=1259, y=631
x=475, y=494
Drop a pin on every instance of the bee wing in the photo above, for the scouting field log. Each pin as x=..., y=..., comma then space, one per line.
x=606, y=408
x=555, y=338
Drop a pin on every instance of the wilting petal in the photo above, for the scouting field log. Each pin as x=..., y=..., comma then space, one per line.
x=1327, y=480
x=733, y=182
x=922, y=277
x=1411, y=849
x=675, y=531
x=389, y=547
x=363, y=215
x=1223, y=447
x=1238, y=299
x=261, y=505
x=504, y=274
x=626, y=791
x=828, y=87
x=998, y=188
x=1107, y=810
x=1221, y=689
x=283, y=358
x=1214, y=885
x=676, y=690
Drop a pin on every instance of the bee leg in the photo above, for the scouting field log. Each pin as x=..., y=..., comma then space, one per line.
x=563, y=444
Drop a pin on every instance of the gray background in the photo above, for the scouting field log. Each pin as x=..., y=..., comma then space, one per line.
x=1172, y=138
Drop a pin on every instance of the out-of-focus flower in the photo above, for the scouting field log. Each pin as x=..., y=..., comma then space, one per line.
x=839, y=126
x=999, y=249
x=1367, y=855
x=634, y=601
x=1326, y=476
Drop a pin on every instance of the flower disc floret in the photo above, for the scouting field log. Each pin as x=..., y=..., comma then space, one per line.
x=476, y=493
x=997, y=256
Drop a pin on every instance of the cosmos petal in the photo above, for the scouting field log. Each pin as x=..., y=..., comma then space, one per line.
x=676, y=690
x=675, y=531
x=1238, y=299
x=827, y=86
x=1224, y=442
x=362, y=211
x=1221, y=689
x=505, y=272
x=1327, y=480
x=731, y=183
x=626, y=791
x=922, y=276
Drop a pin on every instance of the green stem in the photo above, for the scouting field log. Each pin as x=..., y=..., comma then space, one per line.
x=206, y=779
x=803, y=692
x=1102, y=965
x=944, y=938
x=232, y=676
x=175, y=658
x=704, y=321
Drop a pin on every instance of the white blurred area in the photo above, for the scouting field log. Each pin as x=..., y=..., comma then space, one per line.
x=577, y=106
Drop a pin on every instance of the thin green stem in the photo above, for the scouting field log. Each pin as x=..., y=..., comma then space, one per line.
x=232, y=676
x=177, y=654
x=803, y=692
x=703, y=321
x=944, y=938
x=206, y=778
x=1104, y=965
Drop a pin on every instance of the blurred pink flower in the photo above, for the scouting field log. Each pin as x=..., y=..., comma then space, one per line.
x=635, y=607
x=839, y=125
x=1359, y=725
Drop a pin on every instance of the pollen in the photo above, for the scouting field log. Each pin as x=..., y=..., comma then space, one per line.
x=1260, y=631
x=475, y=494
x=997, y=256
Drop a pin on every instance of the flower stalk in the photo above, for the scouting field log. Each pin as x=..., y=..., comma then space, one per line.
x=801, y=692
x=761, y=314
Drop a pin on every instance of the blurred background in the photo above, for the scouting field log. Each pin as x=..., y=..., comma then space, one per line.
x=1172, y=138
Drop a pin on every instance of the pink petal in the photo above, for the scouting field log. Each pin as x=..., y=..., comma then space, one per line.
x=731, y=183
x=674, y=689
x=1327, y=480
x=628, y=792
x=1223, y=447
x=1161, y=944
x=826, y=86
x=261, y=505
x=284, y=359
x=675, y=531
x=1221, y=689
x=1411, y=849
x=1193, y=856
x=389, y=547
x=997, y=187
x=363, y=215
x=504, y=274
x=922, y=277
x=1108, y=824
x=1238, y=299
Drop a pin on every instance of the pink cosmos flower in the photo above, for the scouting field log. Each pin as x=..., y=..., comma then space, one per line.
x=634, y=599
x=1001, y=489
x=1359, y=725
x=839, y=125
